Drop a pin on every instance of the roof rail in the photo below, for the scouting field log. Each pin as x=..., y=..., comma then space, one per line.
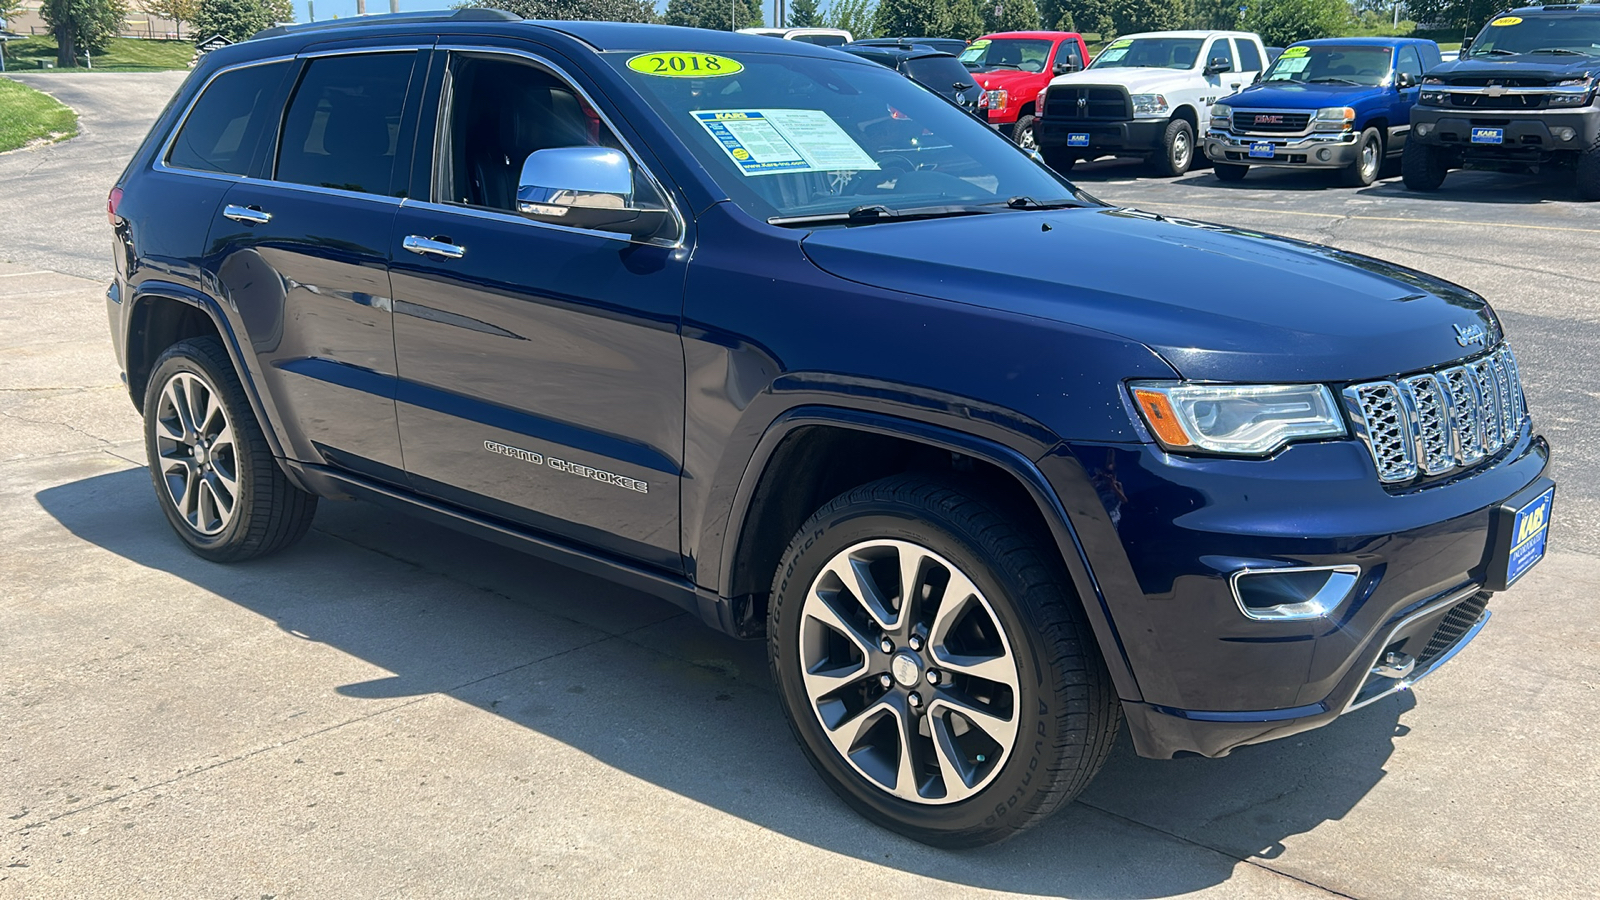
x=472, y=14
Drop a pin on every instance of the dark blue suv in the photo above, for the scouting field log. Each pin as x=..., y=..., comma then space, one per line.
x=712, y=315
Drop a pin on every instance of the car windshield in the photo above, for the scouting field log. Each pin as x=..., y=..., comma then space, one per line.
x=1556, y=35
x=1008, y=54
x=1322, y=64
x=801, y=136
x=1156, y=53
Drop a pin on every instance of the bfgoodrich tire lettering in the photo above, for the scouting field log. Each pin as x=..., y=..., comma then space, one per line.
x=213, y=472
x=1062, y=708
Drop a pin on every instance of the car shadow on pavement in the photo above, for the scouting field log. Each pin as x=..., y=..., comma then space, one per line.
x=650, y=692
x=1472, y=187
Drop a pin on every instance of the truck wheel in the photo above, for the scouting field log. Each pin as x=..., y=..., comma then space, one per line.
x=213, y=471
x=1363, y=170
x=1177, y=150
x=1589, y=172
x=1422, y=167
x=1229, y=171
x=1022, y=134
x=934, y=664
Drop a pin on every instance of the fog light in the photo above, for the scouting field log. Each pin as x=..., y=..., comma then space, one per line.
x=1324, y=154
x=1563, y=134
x=1293, y=593
x=1424, y=129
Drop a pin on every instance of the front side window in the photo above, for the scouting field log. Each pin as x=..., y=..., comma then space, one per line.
x=343, y=125
x=1222, y=49
x=1153, y=53
x=1069, y=49
x=1331, y=64
x=1007, y=54
x=1409, y=62
x=221, y=131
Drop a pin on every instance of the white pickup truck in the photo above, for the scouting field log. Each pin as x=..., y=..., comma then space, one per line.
x=1145, y=95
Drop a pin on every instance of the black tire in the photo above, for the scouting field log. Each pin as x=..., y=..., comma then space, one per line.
x=1058, y=158
x=1063, y=699
x=1022, y=133
x=1177, y=150
x=267, y=513
x=1363, y=170
x=1422, y=167
x=1589, y=172
x=1229, y=171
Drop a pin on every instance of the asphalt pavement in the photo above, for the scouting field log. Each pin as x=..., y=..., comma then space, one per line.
x=391, y=709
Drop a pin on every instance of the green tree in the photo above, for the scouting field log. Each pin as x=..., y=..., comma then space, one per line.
x=1130, y=16
x=571, y=10
x=1468, y=15
x=87, y=25
x=237, y=20
x=966, y=20
x=1282, y=22
x=720, y=15
x=912, y=18
x=1091, y=16
x=804, y=14
x=854, y=16
x=1009, y=15
x=1221, y=15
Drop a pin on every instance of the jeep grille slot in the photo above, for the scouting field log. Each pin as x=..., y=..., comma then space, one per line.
x=1436, y=422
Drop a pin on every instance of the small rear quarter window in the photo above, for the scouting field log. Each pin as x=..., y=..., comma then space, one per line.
x=221, y=131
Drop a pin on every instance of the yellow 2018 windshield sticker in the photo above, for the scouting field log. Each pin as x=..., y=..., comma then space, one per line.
x=1292, y=52
x=1507, y=20
x=677, y=64
x=1118, y=45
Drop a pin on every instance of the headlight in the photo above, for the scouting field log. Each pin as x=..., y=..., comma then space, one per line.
x=1433, y=98
x=1577, y=93
x=997, y=100
x=1221, y=116
x=1245, y=420
x=1335, y=118
x=1149, y=104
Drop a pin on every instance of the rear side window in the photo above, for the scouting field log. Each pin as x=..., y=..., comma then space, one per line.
x=1070, y=50
x=941, y=74
x=343, y=125
x=821, y=40
x=1222, y=49
x=1249, y=59
x=221, y=131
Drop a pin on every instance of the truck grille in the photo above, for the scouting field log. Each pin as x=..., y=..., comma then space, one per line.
x=1073, y=102
x=1509, y=101
x=1439, y=421
x=1268, y=121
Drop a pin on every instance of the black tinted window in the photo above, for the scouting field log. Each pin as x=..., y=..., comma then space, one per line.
x=1222, y=49
x=344, y=122
x=221, y=131
x=941, y=74
x=1249, y=59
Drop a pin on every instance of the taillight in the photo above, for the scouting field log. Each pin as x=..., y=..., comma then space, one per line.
x=112, y=202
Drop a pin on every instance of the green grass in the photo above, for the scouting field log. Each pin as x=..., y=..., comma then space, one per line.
x=125, y=55
x=27, y=115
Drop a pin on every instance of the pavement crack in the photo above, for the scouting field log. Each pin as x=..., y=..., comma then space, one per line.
x=49, y=424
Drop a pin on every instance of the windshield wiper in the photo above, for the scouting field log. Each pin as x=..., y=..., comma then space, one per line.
x=1331, y=79
x=1025, y=202
x=1560, y=50
x=877, y=212
x=1492, y=51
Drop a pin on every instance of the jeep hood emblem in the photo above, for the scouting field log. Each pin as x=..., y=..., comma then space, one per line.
x=1467, y=335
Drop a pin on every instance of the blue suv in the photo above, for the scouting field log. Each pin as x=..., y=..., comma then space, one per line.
x=712, y=315
x=1335, y=103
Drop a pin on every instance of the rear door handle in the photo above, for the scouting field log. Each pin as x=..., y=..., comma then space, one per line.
x=430, y=247
x=251, y=214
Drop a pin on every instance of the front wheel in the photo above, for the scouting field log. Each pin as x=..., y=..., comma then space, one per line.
x=1422, y=167
x=1022, y=133
x=1589, y=172
x=1363, y=170
x=1177, y=150
x=1229, y=172
x=935, y=666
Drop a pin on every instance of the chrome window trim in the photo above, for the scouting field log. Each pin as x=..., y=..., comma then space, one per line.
x=1578, y=89
x=161, y=165
x=1354, y=571
x=1405, y=683
x=363, y=51
x=561, y=74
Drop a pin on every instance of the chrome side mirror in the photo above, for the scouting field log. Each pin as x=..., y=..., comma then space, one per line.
x=1218, y=65
x=584, y=187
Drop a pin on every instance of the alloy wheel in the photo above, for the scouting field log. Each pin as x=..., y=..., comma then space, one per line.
x=197, y=457
x=1181, y=151
x=909, y=671
x=1026, y=140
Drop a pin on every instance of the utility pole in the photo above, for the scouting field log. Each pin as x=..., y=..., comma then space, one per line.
x=361, y=7
x=394, y=6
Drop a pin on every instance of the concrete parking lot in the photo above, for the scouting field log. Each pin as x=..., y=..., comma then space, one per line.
x=390, y=709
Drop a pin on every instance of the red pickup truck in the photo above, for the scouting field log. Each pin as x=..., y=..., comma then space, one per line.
x=1014, y=66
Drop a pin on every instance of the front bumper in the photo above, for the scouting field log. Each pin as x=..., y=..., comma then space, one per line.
x=1314, y=151
x=1166, y=533
x=1140, y=136
x=1527, y=135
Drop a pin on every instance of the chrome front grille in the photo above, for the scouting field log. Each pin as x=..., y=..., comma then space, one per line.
x=1436, y=422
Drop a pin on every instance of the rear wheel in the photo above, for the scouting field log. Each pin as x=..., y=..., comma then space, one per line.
x=1422, y=167
x=1022, y=133
x=1589, y=172
x=934, y=666
x=1363, y=170
x=1177, y=150
x=1229, y=171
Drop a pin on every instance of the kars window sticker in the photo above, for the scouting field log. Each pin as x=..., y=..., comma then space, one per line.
x=675, y=64
x=774, y=141
x=1291, y=65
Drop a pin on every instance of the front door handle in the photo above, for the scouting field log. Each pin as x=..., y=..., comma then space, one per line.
x=428, y=246
x=249, y=214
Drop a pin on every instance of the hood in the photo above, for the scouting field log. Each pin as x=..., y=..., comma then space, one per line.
x=1287, y=95
x=1553, y=67
x=1138, y=79
x=1216, y=303
x=994, y=79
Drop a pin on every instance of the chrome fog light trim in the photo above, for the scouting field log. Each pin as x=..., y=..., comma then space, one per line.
x=1305, y=592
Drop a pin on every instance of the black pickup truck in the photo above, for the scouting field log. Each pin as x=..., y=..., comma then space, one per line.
x=1521, y=97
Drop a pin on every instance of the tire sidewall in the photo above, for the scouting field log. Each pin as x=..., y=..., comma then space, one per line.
x=187, y=357
x=1024, y=126
x=1169, y=144
x=1021, y=781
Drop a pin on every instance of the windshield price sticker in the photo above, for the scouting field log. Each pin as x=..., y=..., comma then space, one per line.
x=774, y=141
x=1292, y=65
x=1113, y=53
x=673, y=64
x=1504, y=21
x=1294, y=52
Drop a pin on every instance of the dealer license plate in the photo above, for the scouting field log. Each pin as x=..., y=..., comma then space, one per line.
x=1077, y=139
x=1488, y=135
x=1529, y=529
x=1261, y=150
